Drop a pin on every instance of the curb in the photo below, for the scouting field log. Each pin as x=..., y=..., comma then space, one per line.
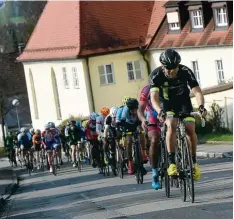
x=216, y=142
x=10, y=189
x=215, y=154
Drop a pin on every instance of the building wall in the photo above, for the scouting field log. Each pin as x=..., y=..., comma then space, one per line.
x=111, y=94
x=205, y=57
x=72, y=101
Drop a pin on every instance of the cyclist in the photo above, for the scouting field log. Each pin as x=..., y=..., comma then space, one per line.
x=130, y=122
x=25, y=142
x=75, y=134
x=10, y=148
x=49, y=141
x=90, y=132
x=109, y=136
x=120, y=109
x=174, y=79
x=37, y=141
x=147, y=114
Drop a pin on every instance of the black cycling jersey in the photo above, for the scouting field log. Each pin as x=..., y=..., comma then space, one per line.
x=175, y=91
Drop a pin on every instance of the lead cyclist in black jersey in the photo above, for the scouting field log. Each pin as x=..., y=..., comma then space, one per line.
x=174, y=80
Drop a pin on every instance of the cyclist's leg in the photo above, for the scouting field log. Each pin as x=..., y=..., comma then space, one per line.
x=154, y=136
x=143, y=145
x=73, y=148
x=129, y=150
x=48, y=148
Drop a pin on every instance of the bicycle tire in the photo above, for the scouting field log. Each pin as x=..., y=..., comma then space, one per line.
x=54, y=165
x=139, y=165
x=183, y=189
x=166, y=176
x=160, y=165
x=189, y=176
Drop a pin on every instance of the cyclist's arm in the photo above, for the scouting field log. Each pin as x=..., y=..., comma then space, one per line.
x=98, y=126
x=154, y=98
x=107, y=127
x=199, y=96
x=141, y=110
x=194, y=86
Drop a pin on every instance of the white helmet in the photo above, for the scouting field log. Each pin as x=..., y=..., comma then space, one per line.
x=113, y=111
x=32, y=130
x=93, y=116
x=23, y=130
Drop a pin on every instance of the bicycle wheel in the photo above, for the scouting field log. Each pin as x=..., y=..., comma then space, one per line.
x=160, y=165
x=166, y=176
x=189, y=170
x=138, y=164
x=78, y=162
x=54, y=164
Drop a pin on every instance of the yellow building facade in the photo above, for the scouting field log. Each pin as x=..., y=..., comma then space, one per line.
x=116, y=75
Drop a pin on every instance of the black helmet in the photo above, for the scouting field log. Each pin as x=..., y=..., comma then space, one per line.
x=170, y=59
x=72, y=122
x=132, y=103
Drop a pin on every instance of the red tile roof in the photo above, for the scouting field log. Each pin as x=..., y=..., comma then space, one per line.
x=187, y=38
x=70, y=29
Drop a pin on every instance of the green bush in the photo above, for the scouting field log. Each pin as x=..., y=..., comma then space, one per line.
x=79, y=118
x=3, y=152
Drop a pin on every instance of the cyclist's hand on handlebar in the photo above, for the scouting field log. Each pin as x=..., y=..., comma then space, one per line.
x=162, y=116
x=202, y=111
x=144, y=125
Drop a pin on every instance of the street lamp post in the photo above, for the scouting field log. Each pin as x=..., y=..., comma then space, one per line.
x=16, y=103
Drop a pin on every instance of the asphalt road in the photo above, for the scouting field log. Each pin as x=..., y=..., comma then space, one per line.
x=88, y=195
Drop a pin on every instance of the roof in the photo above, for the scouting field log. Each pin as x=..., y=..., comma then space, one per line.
x=186, y=38
x=70, y=29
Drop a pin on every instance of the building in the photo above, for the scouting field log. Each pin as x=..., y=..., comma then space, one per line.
x=84, y=56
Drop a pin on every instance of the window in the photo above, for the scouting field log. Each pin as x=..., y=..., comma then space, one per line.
x=65, y=80
x=56, y=95
x=173, y=20
x=196, y=70
x=75, y=78
x=134, y=70
x=196, y=17
x=219, y=70
x=221, y=17
x=106, y=74
x=34, y=97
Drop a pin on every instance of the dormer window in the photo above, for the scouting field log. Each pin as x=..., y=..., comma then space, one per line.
x=196, y=18
x=220, y=15
x=173, y=20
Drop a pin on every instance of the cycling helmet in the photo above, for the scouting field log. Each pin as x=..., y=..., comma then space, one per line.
x=47, y=126
x=105, y=111
x=23, y=130
x=51, y=124
x=125, y=99
x=93, y=116
x=72, y=122
x=38, y=131
x=132, y=103
x=170, y=59
x=113, y=111
x=32, y=130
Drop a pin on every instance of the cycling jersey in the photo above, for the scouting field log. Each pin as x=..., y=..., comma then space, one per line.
x=175, y=91
x=111, y=125
x=119, y=114
x=100, y=124
x=90, y=130
x=25, y=140
x=75, y=134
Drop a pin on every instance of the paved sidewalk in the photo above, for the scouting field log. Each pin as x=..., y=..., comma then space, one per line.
x=8, y=180
x=215, y=150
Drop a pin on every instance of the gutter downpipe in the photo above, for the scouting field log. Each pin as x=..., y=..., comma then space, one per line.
x=143, y=52
x=90, y=84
